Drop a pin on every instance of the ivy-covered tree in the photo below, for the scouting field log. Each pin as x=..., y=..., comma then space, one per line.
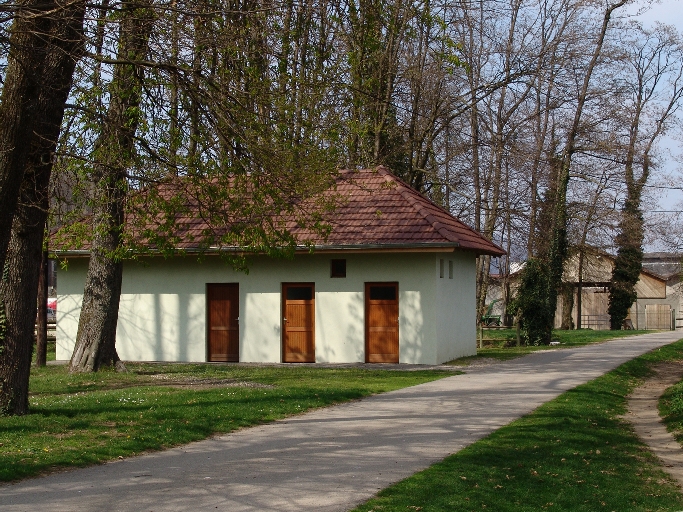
x=536, y=312
x=627, y=265
x=653, y=96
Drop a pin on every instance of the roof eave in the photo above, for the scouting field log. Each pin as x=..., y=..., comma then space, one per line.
x=328, y=248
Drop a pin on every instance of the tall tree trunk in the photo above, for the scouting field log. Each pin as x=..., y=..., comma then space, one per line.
x=41, y=321
x=18, y=104
x=558, y=243
x=652, y=65
x=96, y=338
x=19, y=289
x=567, y=306
x=19, y=286
x=587, y=223
x=579, y=290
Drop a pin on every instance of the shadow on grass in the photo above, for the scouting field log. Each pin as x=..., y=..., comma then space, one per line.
x=71, y=426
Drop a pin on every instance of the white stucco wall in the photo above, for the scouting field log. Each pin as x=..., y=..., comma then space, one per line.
x=456, y=309
x=162, y=315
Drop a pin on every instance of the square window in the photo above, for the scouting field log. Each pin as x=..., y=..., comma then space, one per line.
x=380, y=292
x=337, y=268
x=450, y=269
x=304, y=292
x=441, y=268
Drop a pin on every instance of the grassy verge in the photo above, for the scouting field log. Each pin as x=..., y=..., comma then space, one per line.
x=671, y=410
x=495, y=341
x=77, y=420
x=50, y=353
x=574, y=453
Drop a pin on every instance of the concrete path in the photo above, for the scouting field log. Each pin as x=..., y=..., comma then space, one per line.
x=330, y=459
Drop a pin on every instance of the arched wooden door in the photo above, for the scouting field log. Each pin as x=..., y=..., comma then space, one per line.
x=223, y=334
x=298, y=323
x=381, y=322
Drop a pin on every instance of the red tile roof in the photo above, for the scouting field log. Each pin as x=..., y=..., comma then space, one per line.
x=378, y=209
x=374, y=210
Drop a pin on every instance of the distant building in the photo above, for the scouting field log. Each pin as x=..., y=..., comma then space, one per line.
x=669, y=267
x=659, y=291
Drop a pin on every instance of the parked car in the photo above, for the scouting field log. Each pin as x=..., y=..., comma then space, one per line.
x=51, y=310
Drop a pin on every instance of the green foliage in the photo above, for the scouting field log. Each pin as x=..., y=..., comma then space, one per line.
x=537, y=313
x=234, y=143
x=82, y=419
x=627, y=267
x=575, y=453
x=671, y=410
x=671, y=406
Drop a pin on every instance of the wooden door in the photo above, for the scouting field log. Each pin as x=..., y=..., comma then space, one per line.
x=298, y=323
x=223, y=301
x=381, y=322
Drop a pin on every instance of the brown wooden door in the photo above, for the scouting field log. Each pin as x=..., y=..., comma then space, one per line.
x=381, y=322
x=298, y=323
x=223, y=322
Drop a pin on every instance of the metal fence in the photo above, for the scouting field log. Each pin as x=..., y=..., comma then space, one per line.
x=659, y=317
x=595, y=322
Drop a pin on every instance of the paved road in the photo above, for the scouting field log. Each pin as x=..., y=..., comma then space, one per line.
x=330, y=459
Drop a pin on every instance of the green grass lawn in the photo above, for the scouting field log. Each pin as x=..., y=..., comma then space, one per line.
x=50, y=353
x=574, y=453
x=671, y=410
x=83, y=419
x=497, y=342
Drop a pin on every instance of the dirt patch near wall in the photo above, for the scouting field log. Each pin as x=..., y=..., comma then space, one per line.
x=644, y=415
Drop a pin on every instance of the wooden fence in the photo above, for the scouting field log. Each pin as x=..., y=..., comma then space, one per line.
x=658, y=316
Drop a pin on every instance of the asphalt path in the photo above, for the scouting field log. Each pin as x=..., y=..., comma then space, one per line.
x=334, y=458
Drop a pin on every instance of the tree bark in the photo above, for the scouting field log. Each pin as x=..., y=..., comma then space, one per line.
x=96, y=338
x=18, y=104
x=19, y=286
x=41, y=321
x=19, y=292
x=557, y=252
x=579, y=291
x=567, y=306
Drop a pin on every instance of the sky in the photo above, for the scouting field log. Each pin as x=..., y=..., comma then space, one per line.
x=670, y=12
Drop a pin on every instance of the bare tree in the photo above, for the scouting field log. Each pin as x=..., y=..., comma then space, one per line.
x=96, y=338
x=656, y=63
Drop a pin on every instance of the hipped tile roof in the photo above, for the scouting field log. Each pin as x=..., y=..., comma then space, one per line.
x=378, y=209
x=374, y=210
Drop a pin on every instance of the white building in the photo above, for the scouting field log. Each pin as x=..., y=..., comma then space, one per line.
x=393, y=282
